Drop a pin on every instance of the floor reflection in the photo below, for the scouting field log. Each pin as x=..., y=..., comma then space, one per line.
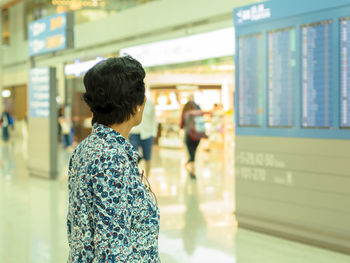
x=193, y=217
x=197, y=222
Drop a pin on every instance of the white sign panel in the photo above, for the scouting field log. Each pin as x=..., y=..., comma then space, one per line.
x=213, y=44
x=254, y=13
x=79, y=68
x=39, y=92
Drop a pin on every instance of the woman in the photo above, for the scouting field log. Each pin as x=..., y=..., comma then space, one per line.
x=6, y=121
x=191, y=144
x=143, y=135
x=65, y=129
x=111, y=216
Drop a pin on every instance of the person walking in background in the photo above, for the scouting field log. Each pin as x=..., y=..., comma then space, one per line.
x=112, y=215
x=191, y=99
x=143, y=135
x=193, y=122
x=6, y=121
x=65, y=129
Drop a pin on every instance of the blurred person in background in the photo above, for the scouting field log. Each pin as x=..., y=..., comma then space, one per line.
x=193, y=123
x=112, y=215
x=191, y=99
x=6, y=121
x=143, y=135
x=64, y=129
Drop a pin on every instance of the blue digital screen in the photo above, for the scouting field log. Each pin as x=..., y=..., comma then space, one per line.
x=302, y=86
x=281, y=77
x=345, y=72
x=317, y=75
x=39, y=92
x=249, y=83
x=48, y=34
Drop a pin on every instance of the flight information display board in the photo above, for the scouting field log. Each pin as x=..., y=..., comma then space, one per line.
x=316, y=74
x=345, y=72
x=282, y=77
x=298, y=85
x=249, y=84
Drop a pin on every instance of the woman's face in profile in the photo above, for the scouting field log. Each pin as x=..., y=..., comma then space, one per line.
x=139, y=113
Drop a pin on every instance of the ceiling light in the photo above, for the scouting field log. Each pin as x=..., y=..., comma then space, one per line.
x=6, y=93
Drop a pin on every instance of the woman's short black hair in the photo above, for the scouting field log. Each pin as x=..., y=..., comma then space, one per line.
x=114, y=87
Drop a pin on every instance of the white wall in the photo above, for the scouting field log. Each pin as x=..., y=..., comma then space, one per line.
x=1, y=76
x=17, y=24
x=158, y=20
x=155, y=17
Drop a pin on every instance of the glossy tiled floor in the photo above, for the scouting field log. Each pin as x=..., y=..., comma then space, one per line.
x=197, y=223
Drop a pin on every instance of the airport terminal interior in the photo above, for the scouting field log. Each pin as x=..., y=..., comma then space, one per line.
x=272, y=176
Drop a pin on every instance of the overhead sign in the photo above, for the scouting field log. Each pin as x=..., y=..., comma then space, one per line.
x=78, y=68
x=74, y=4
x=215, y=44
x=253, y=13
x=39, y=92
x=50, y=34
x=272, y=10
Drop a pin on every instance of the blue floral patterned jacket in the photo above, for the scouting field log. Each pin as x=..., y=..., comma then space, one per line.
x=111, y=215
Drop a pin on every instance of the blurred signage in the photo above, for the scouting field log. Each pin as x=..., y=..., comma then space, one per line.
x=39, y=92
x=50, y=34
x=78, y=4
x=78, y=68
x=187, y=87
x=213, y=44
x=253, y=13
x=273, y=10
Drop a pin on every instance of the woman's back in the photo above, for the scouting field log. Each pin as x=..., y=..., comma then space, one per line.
x=111, y=215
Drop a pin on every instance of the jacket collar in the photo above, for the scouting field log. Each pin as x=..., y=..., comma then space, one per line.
x=111, y=136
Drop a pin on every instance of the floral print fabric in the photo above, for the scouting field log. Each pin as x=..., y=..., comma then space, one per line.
x=111, y=216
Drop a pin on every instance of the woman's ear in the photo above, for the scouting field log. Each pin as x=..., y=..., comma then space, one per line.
x=137, y=109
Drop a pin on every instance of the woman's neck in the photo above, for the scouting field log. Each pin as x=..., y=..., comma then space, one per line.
x=123, y=128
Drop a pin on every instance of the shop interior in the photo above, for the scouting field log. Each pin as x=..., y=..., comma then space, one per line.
x=210, y=82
